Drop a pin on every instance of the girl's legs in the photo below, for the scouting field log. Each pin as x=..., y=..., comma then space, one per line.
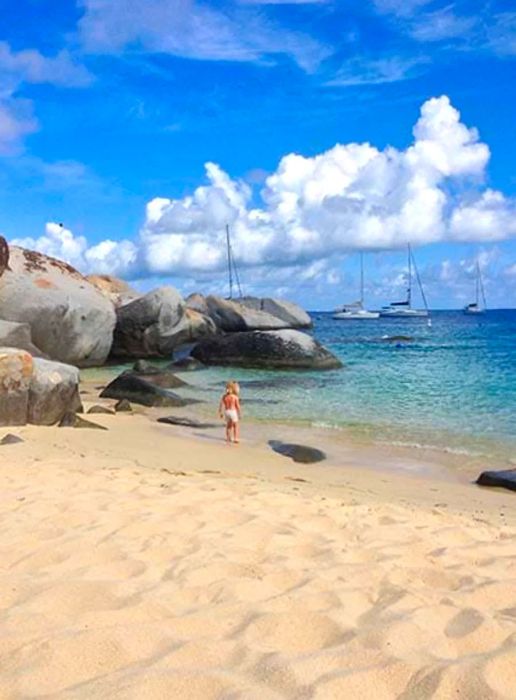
x=229, y=426
x=236, y=431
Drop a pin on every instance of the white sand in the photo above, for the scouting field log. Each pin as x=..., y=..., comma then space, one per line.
x=138, y=563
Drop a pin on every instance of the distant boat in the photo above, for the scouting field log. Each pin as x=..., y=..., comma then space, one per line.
x=403, y=309
x=476, y=307
x=355, y=311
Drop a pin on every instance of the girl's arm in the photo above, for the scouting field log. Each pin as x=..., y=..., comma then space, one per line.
x=221, y=407
x=239, y=410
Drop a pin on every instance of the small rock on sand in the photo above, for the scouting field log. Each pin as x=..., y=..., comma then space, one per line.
x=10, y=439
x=298, y=453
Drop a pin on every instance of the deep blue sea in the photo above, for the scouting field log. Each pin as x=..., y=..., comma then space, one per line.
x=451, y=386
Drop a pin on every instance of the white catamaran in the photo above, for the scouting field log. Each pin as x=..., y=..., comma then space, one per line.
x=403, y=309
x=355, y=311
x=477, y=307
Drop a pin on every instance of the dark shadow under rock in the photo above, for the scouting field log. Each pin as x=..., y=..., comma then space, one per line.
x=142, y=391
x=101, y=409
x=187, y=422
x=72, y=420
x=298, y=453
x=505, y=478
x=11, y=439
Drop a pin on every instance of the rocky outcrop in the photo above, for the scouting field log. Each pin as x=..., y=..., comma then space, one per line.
x=33, y=390
x=17, y=335
x=146, y=327
x=193, y=327
x=69, y=319
x=231, y=317
x=292, y=315
x=283, y=349
x=116, y=290
x=142, y=391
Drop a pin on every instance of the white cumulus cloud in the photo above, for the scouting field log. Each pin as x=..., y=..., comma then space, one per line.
x=351, y=197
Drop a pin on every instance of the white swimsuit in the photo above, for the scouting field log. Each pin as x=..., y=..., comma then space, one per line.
x=231, y=415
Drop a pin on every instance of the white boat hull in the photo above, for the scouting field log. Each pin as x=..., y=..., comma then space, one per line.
x=356, y=315
x=473, y=312
x=404, y=313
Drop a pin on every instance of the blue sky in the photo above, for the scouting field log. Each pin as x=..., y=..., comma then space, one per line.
x=109, y=112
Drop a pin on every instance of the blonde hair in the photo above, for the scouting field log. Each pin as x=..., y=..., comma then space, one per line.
x=232, y=388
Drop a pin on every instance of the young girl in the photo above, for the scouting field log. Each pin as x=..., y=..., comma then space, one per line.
x=229, y=408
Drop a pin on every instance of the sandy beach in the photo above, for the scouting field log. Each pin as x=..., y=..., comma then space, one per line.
x=146, y=562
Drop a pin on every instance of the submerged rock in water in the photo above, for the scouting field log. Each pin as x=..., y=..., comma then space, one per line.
x=504, y=478
x=298, y=453
x=186, y=364
x=282, y=349
x=142, y=391
x=144, y=367
x=187, y=422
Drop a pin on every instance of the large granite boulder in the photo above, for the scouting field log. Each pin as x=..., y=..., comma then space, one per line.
x=15, y=376
x=146, y=327
x=231, y=317
x=283, y=349
x=142, y=391
x=192, y=327
x=116, y=290
x=292, y=315
x=17, y=335
x=70, y=320
x=34, y=390
x=54, y=390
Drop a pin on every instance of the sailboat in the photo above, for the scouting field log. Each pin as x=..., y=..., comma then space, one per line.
x=476, y=307
x=403, y=309
x=355, y=311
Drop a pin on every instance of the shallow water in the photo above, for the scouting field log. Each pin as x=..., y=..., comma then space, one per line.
x=451, y=387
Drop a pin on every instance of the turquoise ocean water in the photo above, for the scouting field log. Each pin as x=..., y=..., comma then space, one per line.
x=453, y=386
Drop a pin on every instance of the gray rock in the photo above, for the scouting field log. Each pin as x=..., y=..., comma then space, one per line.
x=193, y=327
x=292, y=315
x=101, y=409
x=33, y=390
x=504, y=478
x=70, y=320
x=139, y=390
x=15, y=377
x=11, y=439
x=53, y=391
x=146, y=368
x=197, y=302
x=17, y=335
x=231, y=317
x=298, y=453
x=187, y=422
x=4, y=255
x=186, y=364
x=116, y=290
x=283, y=349
x=72, y=420
x=146, y=327
x=164, y=379
x=123, y=406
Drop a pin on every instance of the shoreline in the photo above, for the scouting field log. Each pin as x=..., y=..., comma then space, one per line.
x=151, y=561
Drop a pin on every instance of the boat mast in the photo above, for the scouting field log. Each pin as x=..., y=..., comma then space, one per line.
x=420, y=284
x=480, y=286
x=409, y=289
x=361, y=278
x=230, y=266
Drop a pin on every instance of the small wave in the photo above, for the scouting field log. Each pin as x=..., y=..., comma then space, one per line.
x=424, y=446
